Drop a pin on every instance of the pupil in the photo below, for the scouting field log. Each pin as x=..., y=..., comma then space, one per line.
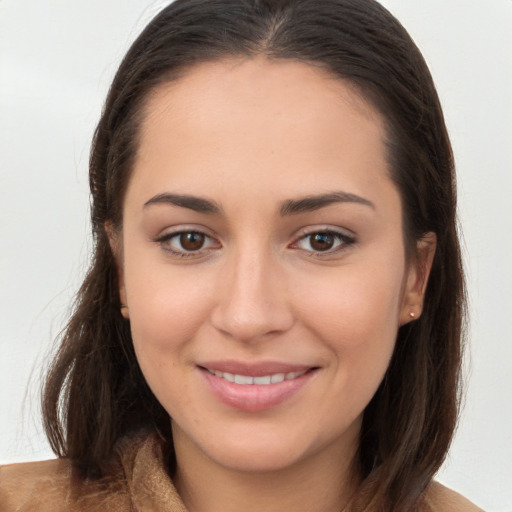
x=192, y=241
x=322, y=241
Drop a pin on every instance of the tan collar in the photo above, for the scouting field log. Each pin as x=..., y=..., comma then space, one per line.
x=149, y=485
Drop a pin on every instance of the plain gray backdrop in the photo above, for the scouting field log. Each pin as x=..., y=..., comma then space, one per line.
x=57, y=58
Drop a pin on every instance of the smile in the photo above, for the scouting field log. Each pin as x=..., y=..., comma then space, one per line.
x=264, y=380
x=255, y=387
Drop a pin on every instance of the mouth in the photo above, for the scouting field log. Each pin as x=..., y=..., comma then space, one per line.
x=256, y=387
x=261, y=380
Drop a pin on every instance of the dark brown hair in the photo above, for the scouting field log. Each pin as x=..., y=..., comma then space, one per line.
x=95, y=392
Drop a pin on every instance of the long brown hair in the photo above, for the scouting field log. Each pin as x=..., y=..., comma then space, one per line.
x=95, y=392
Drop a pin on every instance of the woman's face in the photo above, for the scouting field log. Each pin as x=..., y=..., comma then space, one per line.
x=262, y=244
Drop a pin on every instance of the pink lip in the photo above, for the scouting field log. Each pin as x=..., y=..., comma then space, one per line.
x=254, y=397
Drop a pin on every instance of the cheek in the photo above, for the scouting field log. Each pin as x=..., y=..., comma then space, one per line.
x=356, y=315
x=168, y=307
x=353, y=301
x=356, y=320
x=168, y=303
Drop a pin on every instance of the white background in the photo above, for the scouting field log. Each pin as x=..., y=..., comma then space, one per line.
x=57, y=58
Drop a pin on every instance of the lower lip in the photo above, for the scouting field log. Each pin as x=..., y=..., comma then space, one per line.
x=254, y=397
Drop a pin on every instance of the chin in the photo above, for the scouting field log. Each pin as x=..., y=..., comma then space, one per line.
x=267, y=449
x=257, y=459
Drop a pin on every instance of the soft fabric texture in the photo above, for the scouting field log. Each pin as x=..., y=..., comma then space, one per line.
x=136, y=481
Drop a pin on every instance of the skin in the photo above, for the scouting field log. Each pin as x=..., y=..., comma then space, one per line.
x=250, y=135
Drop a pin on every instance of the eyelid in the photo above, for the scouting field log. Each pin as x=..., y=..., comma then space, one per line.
x=347, y=238
x=184, y=228
x=170, y=233
x=344, y=236
x=324, y=228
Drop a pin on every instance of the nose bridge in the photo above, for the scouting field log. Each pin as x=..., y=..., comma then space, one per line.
x=253, y=300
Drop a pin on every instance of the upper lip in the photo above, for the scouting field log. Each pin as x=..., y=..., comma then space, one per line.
x=254, y=369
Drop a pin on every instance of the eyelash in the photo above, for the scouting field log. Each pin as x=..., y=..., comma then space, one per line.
x=344, y=241
x=184, y=253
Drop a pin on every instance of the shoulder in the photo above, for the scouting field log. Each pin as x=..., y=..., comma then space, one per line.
x=32, y=484
x=441, y=499
x=55, y=486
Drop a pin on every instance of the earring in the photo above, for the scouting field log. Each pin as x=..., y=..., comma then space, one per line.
x=412, y=315
x=124, y=311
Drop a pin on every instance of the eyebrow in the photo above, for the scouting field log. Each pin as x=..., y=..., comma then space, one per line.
x=198, y=204
x=289, y=207
x=311, y=203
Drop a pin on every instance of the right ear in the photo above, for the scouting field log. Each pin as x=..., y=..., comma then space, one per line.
x=116, y=246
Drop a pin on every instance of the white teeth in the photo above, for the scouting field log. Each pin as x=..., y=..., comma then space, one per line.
x=243, y=379
x=228, y=376
x=261, y=380
x=266, y=379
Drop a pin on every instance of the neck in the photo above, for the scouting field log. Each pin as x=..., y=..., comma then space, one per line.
x=324, y=482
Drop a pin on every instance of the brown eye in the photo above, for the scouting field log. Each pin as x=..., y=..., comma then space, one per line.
x=188, y=244
x=192, y=241
x=322, y=241
x=328, y=242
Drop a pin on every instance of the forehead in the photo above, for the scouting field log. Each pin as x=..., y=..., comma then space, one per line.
x=281, y=121
x=254, y=76
x=286, y=84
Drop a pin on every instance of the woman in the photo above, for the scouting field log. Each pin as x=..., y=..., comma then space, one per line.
x=276, y=268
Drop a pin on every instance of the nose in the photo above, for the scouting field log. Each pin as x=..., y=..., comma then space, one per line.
x=253, y=303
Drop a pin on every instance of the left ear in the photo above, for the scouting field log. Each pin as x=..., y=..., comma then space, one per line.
x=114, y=239
x=417, y=278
